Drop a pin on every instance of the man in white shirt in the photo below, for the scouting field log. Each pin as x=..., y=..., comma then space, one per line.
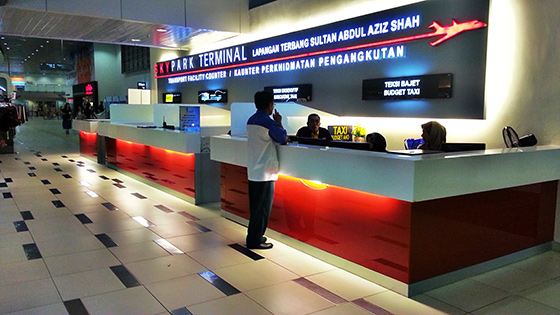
x=263, y=134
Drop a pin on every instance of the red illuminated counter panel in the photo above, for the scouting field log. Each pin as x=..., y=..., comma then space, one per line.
x=88, y=135
x=417, y=222
x=172, y=159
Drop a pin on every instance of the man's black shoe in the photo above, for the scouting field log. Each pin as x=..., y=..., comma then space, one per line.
x=263, y=239
x=261, y=246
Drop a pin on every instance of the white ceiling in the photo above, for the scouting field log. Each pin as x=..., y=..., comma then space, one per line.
x=23, y=32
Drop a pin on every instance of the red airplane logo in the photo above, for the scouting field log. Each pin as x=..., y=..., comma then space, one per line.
x=454, y=29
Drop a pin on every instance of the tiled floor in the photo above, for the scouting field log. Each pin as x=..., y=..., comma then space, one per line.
x=73, y=242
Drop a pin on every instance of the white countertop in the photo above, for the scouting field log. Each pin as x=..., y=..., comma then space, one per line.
x=404, y=177
x=175, y=140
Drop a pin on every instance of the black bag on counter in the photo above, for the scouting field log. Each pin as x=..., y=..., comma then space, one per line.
x=512, y=140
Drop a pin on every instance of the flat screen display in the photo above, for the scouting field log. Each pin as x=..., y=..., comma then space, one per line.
x=212, y=96
x=172, y=98
x=411, y=87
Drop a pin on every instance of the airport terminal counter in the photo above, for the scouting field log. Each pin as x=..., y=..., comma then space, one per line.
x=173, y=160
x=408, y=222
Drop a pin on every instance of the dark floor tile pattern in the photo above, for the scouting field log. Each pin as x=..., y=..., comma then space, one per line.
x=104, y=177
x=75, y=307
x=7, y=195
x=139, y=196
x=109, y=206
x=188, y=215
x=31, y=174
x=125, y=276
x=32, y=168
x=56, y=164
x=3, y=184
x=245, y=251
x=164, y=209
x=58, y=203
x=219, y=283
x=58, y=169
x=119, y=185
x=320, y=291
x=26, y=215
x=45, y=182
x=21, y=226
x=106, y=240
x=198, y=226
x=181, y=311
x=32, y=251
x=27, y=163
x=66, y=176
x=8, y=180
x=83, y=218
x=55, y=191
x=370, y=307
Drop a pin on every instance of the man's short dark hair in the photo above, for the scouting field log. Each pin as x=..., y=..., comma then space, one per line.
x=313, y=115
x=263, y=99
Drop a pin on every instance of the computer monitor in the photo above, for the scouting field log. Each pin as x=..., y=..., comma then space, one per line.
x=457, y=147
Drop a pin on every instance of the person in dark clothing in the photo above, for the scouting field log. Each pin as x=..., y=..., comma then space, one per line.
x=66, y=112
x=314, y=129
x=376, y=142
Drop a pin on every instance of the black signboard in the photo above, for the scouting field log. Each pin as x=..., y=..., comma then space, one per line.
x=411, y=87
x=212, y=96
x=290, y=93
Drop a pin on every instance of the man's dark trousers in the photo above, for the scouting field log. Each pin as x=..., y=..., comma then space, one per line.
x=261, y=195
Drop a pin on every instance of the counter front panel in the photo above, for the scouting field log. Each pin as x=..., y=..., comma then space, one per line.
x=171, y=169
x=407, y=241
x=88, y=144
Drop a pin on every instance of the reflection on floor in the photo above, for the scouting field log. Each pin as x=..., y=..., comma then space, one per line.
x=79, y=238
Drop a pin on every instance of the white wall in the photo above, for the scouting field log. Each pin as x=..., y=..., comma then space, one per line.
x=107, y=72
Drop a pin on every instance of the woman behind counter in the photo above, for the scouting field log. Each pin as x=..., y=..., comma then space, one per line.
x=434, y=135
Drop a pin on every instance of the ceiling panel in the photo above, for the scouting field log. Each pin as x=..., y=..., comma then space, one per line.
x=35, y=27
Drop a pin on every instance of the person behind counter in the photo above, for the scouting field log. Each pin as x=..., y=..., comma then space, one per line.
x=263, y=134
x=314, y=129
x=434, y=135
x=376, y=142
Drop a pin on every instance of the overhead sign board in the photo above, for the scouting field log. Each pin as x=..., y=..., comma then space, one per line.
x=290, y=93
x=363, y=40
x=411, y=87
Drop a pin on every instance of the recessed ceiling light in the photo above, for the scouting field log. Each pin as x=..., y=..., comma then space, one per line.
x=135, y=40
x=161, y=30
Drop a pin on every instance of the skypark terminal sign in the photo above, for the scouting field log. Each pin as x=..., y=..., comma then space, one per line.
x=365, y=39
